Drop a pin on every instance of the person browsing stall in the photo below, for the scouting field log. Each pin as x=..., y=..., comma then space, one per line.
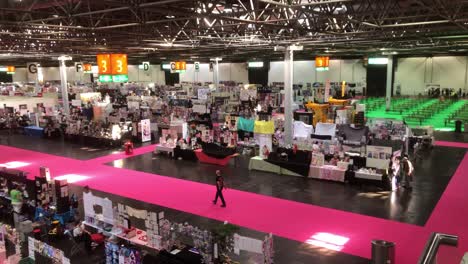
x=16, y=199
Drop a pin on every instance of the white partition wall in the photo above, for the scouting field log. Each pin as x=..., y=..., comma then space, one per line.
x=227, y=72
x=21, y=75
x=413, y=74
x=203, y=75
x=449, y=72
x=276, y=72
x=304, y=72
x=238, y=72
x=155, y=74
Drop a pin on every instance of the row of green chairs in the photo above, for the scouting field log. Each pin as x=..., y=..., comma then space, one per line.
x=407, y=106
x=427, y=111
x=461, y=114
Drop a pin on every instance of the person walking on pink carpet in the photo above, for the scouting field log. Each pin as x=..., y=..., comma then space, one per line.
x=219, y=188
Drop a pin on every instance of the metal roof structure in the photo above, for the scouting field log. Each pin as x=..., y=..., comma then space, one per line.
x=236, y=30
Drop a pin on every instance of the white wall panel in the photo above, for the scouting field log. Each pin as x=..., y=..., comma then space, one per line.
x=20, y=75
x=449, y=72
x=346, y=70
x=276, y=72
x=239, y=73
x=410, y=75
x=157, y=75
x=189, y=75
x=225, y=72
x=304, y=72
x=132, y=73
x=52, y=73
x=145, y=76
x=153, y=75
x=359, y=72
x=414, y=73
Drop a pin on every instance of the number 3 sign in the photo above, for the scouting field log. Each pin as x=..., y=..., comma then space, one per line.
x=119, y=64
x=115, y=64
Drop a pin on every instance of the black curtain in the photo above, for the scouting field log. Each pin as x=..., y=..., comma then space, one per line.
x=4, y=77
x=171, y=78
x=376, y=79
x=259, y=75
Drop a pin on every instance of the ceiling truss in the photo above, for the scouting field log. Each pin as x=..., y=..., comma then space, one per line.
x=237, y=30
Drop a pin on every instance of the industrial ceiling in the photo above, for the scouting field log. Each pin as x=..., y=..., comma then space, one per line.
x=236, y=30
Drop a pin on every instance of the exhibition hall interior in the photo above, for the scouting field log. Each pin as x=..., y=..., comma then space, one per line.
x=233, y=131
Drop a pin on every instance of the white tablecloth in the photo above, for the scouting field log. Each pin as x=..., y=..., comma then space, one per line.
x=327, y=172
x=161, y=148
x=368, y=176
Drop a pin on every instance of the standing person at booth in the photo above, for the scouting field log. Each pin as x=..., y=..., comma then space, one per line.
x=219, y=188
x=16, y=202
x=406, y=172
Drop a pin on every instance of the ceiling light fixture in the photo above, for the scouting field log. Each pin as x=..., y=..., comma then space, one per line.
x=170, y=16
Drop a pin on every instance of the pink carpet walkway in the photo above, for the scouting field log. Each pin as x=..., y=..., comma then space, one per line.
x=451, y=144
x=293, y=220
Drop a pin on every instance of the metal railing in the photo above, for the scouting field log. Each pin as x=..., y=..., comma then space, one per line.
x=432, y=246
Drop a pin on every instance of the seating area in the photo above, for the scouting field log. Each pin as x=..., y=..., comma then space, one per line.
x=427, y=111
x=441, y=114
x=460, y=114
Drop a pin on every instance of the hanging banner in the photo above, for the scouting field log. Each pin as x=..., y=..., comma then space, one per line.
x=178, y=66
x=78, y=66
x=211, y=66
x=87, y=68
x=119, y=64
x=203, y=94
x=146, y=66
x=265, y=143
x=104, y=63
x=32, y=68
x=197, y=66
x=327, y=90
x=145, y=130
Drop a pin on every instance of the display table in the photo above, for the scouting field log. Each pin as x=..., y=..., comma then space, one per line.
x=34, y=131
x=327, y=172
x=295, y=164
x=139, y=239
x=247, y=145
x=202, y=157
x=257, y=163
x=368, y=176
x=185, y=154
x=160, y=148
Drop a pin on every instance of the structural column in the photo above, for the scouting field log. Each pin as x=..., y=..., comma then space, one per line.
x=64, y=84
x=288, y=95
x=216, y=70
x=388, y=94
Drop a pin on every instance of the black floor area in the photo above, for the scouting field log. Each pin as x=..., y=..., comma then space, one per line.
x=451, y=136
x=57, y=147
x=286, y=251
x=433, y=173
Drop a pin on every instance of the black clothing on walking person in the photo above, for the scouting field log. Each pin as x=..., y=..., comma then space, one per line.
x=219, y=190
